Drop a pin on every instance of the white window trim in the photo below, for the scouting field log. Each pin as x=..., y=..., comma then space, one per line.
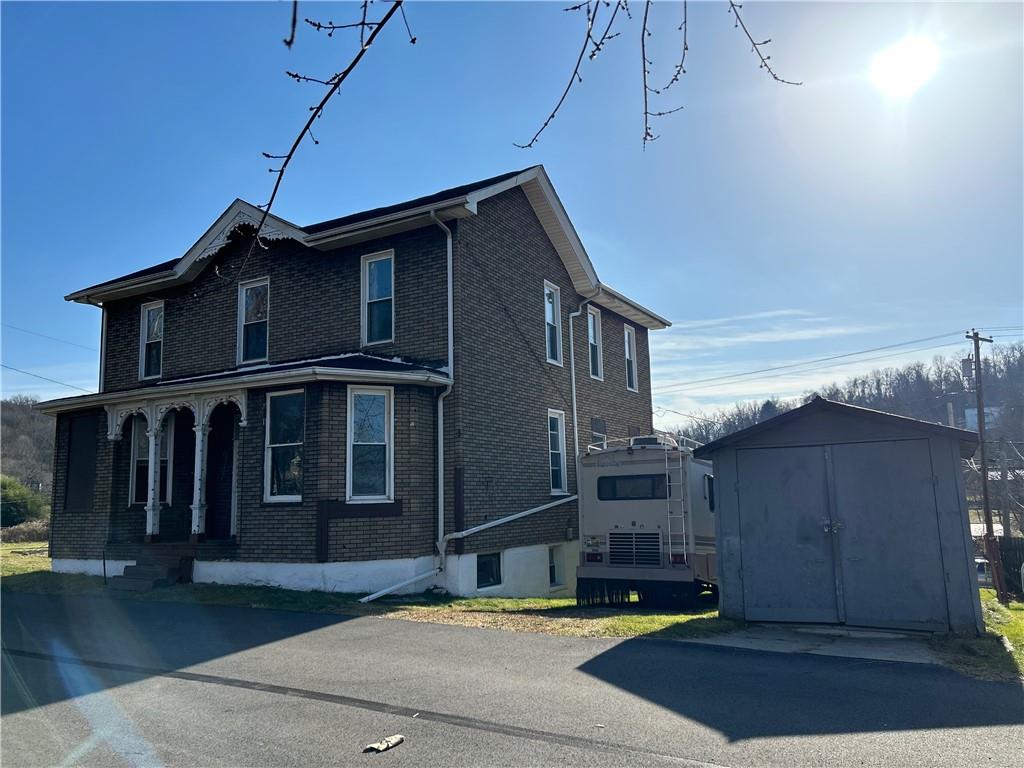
x=594, y=312
x=630, y=335
x=167, y=434
x=389, y=421
x=240, y=325
x=560, y=415
x=558, y=321
x=501, y=572
x=365, y=293
x=267, y=498
x=143, y=327
x=603, y=442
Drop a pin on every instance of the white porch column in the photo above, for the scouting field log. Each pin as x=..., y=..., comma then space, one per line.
x=202, y=430
x=153, y=470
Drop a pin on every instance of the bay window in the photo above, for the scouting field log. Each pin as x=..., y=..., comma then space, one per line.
x=369, y=455
x=285, y=432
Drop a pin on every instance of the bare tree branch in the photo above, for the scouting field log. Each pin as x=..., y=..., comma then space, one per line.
x=680, y=69
x=290, y=40
x=330, y=27
x=734, y=9
x=574, y=77
x=334, y=84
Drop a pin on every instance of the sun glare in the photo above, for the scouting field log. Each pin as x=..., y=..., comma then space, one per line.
x=903, y=67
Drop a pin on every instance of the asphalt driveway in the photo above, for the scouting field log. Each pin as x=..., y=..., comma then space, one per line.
x=99, y=681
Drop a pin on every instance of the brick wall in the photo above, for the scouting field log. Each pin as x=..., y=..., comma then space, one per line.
x=314, y=308
x=80, y=530
x=504, y=385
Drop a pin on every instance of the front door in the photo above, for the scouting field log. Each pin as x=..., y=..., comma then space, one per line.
x=220, y=472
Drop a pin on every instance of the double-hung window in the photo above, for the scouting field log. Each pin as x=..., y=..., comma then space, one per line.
x=594, y=343
x=370, y=458
x=253, y=320
x=631, y=358
x=553, y=323
x=282, y=467
x=378, y=298
x=151, y=348
x=598, y=433
x=138, y=482
x=556, y=451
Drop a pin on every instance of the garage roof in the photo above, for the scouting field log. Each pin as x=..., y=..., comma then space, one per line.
x=968, y=440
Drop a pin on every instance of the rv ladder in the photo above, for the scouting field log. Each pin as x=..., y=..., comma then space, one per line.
x=675, y=499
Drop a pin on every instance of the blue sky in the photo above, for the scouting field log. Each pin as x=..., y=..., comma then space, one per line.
x=772, y=224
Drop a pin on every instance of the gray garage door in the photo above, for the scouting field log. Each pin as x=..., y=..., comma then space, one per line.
x=841, y=534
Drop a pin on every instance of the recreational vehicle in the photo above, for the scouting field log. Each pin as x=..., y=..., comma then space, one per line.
x=646, y=523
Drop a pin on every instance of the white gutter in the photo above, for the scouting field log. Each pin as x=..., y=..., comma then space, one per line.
x=446, y=391
x=443, y=544
x=399, y=585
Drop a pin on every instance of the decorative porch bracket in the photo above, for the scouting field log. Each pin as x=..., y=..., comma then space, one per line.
x=155, y=411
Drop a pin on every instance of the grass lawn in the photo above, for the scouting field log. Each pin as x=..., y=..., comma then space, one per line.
x=24, y=567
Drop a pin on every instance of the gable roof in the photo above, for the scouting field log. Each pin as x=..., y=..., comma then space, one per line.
x=453, y=203
x=819, y=405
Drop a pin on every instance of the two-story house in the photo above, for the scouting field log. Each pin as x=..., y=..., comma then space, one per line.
x=341, y=406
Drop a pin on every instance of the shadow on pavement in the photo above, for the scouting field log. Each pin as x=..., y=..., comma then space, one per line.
x=747, y=694
x=153, y=635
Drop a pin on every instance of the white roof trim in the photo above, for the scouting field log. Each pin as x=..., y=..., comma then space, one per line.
x=535, y=185
x=266, y=379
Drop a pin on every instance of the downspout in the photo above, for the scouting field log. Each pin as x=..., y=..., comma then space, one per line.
x=575, y=425
x=441, y=544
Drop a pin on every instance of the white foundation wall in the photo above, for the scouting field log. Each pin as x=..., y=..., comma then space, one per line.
x=90, y=567
x=359, y=577
x=524, y=573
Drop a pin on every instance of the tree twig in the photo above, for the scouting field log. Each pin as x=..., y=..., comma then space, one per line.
x=734, y=9
x=290, y=40
x=680, y=69
x=573, y=78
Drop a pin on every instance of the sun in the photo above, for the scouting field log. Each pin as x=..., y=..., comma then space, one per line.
x=905, y=66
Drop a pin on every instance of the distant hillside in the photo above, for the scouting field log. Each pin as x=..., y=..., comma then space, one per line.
x=26, y=443
x=918, y=390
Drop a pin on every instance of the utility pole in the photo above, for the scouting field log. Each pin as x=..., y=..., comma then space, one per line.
x=991, y=545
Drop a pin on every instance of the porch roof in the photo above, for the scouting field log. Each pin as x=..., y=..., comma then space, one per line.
x=354, y=367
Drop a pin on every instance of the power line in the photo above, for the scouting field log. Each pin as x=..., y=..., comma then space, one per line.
x=687, y=415
x=44, y=378
x=51, y=338
x=668, y=387
x=691, y=385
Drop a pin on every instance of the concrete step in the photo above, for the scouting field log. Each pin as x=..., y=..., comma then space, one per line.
x=129, y=584
x=152, y=571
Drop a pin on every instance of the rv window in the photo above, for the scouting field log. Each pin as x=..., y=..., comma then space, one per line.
x=631, y=487
x=709, y=491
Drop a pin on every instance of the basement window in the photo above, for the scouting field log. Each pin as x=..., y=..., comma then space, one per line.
x=488, y=570
x=555, y=578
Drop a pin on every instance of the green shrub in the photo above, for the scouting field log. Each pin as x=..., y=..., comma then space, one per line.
x=19, y=504
x=33, y=530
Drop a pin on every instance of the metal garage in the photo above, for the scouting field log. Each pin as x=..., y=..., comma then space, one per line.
x=835, y=514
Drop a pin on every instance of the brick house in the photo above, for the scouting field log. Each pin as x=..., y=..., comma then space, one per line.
x=291, y=413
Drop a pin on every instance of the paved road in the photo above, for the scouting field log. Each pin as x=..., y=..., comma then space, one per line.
x=99, y=681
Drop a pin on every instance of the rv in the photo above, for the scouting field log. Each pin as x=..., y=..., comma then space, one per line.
x=646, y=523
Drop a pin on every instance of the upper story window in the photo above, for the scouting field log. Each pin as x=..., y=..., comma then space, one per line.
x=594, y=343
x=282, y=467
x=553, y=322
x=631, y=358
x=370, y=455
x=556, y=451
x=378, y=298
x=138, y=482
x=253, y=320
x=151, y=350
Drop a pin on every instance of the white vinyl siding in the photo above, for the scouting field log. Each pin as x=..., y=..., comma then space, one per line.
x=378, y=298
x=138, y=480
x=631, y=383
x=151, y=340
x=253, y=320
x=553, y=323
x=285, y=432
x=556, y=452
x=369, y=472
x=596, y=354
